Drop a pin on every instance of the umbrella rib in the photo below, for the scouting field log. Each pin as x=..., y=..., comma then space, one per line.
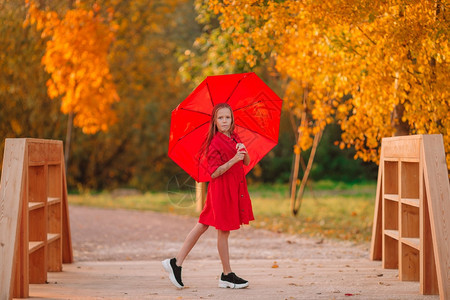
x=255, y=132
x=248, y=105
x=254, y=104
x=239, y=81
x=198, y=169
x=192, y=130
x=196, y=111
x=209, y=91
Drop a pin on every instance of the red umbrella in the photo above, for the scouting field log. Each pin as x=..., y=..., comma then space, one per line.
x=256, y=109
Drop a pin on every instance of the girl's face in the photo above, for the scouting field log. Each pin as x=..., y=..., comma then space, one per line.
x=223, y=120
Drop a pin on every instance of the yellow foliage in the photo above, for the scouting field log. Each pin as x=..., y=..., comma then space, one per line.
x=76, y=56
x=384, y=54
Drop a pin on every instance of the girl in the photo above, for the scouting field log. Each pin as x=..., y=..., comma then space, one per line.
x=228, y=204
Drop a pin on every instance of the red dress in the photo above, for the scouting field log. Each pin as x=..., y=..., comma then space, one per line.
x=228, y=203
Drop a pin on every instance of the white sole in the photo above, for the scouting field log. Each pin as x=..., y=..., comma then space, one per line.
x=226, y=284
x=168, y=268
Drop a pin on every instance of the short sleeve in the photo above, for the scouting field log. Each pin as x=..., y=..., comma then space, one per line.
x=214, y=158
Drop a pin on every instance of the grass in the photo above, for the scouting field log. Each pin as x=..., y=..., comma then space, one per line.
x=328, y=210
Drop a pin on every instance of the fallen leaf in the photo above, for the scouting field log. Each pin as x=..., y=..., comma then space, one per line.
x=275, y=265
x=294, y=284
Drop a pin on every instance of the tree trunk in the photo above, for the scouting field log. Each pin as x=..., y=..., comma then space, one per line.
x=303, y=122
x=68, y=140
x=294, y=180
x=401, y=127
x=299, y=197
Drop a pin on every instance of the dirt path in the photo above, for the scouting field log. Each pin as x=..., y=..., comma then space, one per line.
x=119, y=235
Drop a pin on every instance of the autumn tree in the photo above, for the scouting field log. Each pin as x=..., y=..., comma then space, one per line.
x=311, y=76
x=379, y=68
x=25, y=108
x=76, y=56
x=143, y=65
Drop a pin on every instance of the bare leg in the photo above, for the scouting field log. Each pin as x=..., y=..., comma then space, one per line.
x=222, y=247
x=190, y=242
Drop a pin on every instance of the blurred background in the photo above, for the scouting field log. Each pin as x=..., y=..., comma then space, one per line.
x=104, y=75
x=158, y=53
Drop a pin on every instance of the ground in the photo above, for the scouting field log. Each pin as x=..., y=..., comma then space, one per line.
x=117, y=235
x=118, y=252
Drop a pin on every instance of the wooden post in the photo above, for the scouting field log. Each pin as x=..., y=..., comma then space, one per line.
x=413, y=204
x=200, y=195
x=32, y=198
x=11, y=192
x=438, y=201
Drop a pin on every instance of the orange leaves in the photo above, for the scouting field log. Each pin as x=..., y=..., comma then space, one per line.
x=382, y=54
x=76, y=56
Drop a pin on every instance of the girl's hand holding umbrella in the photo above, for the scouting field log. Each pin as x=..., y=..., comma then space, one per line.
x=241, y=147
x=242, y=150
x=239, y=156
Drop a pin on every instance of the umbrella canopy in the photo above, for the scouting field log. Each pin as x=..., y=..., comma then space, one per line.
x=256, y=109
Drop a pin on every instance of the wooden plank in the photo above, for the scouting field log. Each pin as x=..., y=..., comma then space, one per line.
x=51, y=237
x=67, y=252
x=390, y=177
x=405, y=146
x=411, y=202
x=410, y=221
x=35, y=205
x=317, y=278
x=428, y=275
x=409, y=263
x=54, y=253
x=36, y=151
x=391, y=197
x=409, y=179
x=392, y=233
x=438, y=197
x=412, y=242
x=390, y=252
x=55, y=180
x=11, y=189
x=389, y=159
x=53, y=200
x=53, y=151
x=391, y=215
x=21, y=279
x=377, y=229
x=54, y=224
x=33, y=246
x=38, y=266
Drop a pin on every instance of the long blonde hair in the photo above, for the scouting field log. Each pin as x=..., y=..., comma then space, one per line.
x=213, y=126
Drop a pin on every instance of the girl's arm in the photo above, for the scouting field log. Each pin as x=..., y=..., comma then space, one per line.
x=226, y=166
x=246, y=159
